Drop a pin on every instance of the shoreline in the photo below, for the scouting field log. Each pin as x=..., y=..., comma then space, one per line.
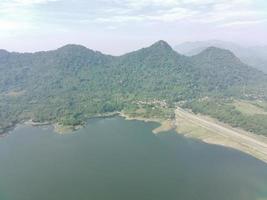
x=58, y=128
x=211, y=131
x=165, y=124
x=200, y=127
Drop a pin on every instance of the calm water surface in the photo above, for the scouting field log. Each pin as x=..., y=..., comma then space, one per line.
x=115, y=159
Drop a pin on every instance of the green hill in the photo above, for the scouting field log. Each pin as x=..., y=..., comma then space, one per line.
x=255, y=56
x=72, y=83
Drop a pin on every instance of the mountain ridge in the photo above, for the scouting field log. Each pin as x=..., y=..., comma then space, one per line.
x=72, y=83
x=255, y=56
x=159, y=44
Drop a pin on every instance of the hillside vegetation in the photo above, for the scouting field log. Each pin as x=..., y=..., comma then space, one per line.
x=73, y=83
x=255, y=56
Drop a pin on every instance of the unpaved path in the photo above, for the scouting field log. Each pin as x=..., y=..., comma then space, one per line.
x=247, y=142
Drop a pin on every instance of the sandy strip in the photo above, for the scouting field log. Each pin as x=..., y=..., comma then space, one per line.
x=222, y=134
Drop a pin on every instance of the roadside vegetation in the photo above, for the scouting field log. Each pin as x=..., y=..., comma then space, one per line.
x=245, y=115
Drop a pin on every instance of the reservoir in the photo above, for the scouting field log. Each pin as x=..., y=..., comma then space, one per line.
x=116, y=159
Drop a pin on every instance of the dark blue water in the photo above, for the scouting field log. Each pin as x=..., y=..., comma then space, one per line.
x=115, y=159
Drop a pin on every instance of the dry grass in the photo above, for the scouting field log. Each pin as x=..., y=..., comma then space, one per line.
x=193, y=130
x=248, y=108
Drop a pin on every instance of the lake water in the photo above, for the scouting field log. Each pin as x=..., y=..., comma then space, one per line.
x=115, y=159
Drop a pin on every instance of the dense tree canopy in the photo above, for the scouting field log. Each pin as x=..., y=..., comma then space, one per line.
x=72, y=83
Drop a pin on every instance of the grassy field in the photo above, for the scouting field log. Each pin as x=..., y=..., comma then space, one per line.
x=251, y=107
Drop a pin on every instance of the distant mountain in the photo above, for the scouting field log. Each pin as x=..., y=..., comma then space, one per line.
x=255, y=56
x=72, y=83
x=221, y=69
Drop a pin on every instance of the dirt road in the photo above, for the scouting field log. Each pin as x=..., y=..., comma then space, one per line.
x=246, y=142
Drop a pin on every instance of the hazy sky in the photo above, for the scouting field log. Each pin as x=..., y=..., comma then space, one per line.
x=118, y=26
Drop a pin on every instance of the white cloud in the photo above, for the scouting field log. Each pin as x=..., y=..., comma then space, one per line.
x=30, y=2
x=173, y=15
x=232, y=14
x=243, y=23
x=26, y=14
x=11, y=28
x=143, y=3
x=170, y=15
x=12, y=25
x=18, y=16
x=198, y=11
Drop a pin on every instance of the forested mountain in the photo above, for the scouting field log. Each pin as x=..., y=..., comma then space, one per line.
x=72, y=83
x=221, y=70
x=255, y=56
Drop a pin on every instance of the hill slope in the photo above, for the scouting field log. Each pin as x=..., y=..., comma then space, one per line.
x=72, y=83
x=255, y=56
